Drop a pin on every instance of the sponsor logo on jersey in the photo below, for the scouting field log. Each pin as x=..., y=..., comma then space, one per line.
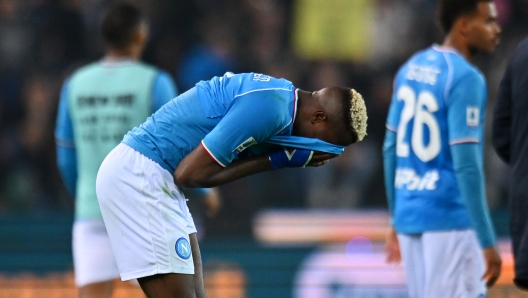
x=183, y=248
x=408, y=178
x=472, y=116
x=247, y=143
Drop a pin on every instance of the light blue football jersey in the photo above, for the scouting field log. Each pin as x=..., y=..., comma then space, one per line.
x=439, y=100
x=232, y=116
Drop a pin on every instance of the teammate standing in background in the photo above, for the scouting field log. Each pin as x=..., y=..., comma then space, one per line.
x=433, y=160
x=99, y=104
x=510, y=140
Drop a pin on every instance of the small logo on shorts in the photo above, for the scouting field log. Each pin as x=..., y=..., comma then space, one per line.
x=183, y=248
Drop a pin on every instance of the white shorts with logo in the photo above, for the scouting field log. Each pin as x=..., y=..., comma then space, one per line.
x=93, y=258
x=145, y=214
x=443, y=264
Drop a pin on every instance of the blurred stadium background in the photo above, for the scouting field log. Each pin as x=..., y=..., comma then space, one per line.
x=292, y=233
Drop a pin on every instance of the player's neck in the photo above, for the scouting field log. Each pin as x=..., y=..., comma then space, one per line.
x=126, y=53
x=302, y=105
x=459, y=45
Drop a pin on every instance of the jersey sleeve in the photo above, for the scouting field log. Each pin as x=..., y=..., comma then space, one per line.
x=66, y=153
x=64, y=127
x=389, y=167
x=469, y=170
x=465, y=111
x=196, y=192
x=163, y=90
x=393, y=117
x=251, y=119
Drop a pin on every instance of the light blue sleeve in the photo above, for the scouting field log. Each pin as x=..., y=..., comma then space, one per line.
x=466, y=106
x=467, y=162
x=465, y=116
x=163, y=90
x=393, y=117
x=389, y=167
x=389, y=146
x=66, y=153
x=196, y=192
x=67, y=163
x=251, y=119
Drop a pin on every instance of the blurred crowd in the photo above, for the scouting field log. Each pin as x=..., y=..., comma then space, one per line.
x=313, y=43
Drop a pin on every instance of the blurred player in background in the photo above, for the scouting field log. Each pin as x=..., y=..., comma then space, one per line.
x=433, y=160
x=219, y=131
x=510, y=140
x=99, y=104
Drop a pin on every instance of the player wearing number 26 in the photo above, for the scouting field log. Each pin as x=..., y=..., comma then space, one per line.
x=433, y=160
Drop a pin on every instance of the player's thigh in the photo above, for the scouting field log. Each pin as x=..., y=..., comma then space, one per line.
x=411, y=249
x=454, y=264
x=97, y=290
x=93, y=258
x=171, y=285
x=146, y=216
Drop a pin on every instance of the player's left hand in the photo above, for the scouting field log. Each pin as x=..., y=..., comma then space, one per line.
x=493, y=266
x=392, y=247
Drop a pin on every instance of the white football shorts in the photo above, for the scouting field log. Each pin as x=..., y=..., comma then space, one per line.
x=93, y=258
x=145, y=214
x=443, y=264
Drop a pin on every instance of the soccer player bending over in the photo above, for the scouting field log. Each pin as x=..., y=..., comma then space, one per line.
x=99, y=104
x=433, y=160
x=219, y=131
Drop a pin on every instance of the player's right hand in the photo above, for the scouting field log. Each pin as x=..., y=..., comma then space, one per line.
x=493, y=266
x=320, y=158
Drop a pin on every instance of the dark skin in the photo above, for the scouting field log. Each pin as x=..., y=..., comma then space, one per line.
x=477, y=32
x=177, y=285
x=318, y=116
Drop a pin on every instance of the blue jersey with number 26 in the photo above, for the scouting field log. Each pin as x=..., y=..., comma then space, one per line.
x=439, y=101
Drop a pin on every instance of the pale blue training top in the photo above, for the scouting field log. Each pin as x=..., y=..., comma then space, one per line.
x=232, y=116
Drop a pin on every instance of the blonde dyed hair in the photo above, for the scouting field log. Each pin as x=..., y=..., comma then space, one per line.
x=358, y=114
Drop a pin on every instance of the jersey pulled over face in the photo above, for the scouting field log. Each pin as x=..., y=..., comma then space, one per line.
x=438, y=102
x=231, y=115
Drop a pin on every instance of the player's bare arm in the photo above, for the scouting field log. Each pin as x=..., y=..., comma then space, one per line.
x=198, y=169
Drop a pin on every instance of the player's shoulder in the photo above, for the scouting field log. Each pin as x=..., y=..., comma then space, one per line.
x=461, y=67
x=85, y=69
x=148, y=67
x=418, y=57
x=464, y=71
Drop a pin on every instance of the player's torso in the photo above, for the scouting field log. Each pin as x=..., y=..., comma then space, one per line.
x=426, y=190
x=179, y=126
x=106, y=100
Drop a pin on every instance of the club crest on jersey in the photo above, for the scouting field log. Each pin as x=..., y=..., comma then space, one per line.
x=183, y=248
x=472, y=116
x=247, y=143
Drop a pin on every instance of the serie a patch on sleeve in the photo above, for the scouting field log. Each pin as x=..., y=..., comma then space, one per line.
x=247, y=143
x=472, y=116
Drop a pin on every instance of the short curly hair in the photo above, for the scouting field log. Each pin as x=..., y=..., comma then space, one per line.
x=450, y=10
x=120, y=23
x=354, y=113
